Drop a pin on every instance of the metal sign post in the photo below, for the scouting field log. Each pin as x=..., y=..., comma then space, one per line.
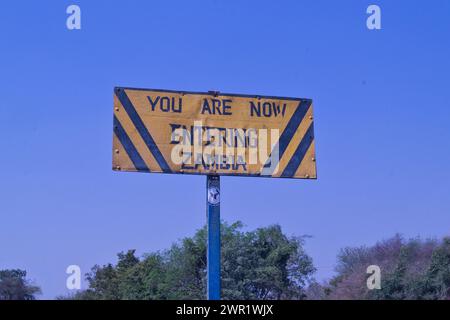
x=213, y=242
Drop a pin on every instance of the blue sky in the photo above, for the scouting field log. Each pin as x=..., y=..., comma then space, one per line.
x=382, y=111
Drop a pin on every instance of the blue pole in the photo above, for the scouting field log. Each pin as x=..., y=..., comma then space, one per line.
x=213, y=228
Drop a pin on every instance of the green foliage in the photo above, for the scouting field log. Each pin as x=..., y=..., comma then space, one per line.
x=15, y=286
x=260, y=264
x=264, y=264
x=436, y=282
x=410, y=269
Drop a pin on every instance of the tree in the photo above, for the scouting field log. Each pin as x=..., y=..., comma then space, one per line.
x=410, y=269
x=436, y=281
x=264, y=264
x=259, y=264
x=15, y=286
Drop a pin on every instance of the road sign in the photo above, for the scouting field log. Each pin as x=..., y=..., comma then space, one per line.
x=213, y=133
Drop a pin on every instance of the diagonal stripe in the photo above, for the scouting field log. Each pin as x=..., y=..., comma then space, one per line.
x=299, y=153
x=142, y=129
x=290, y=129
x=127, y=144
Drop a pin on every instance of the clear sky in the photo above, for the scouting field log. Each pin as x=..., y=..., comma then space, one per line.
x=381, y=100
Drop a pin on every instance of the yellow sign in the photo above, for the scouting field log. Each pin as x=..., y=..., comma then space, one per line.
x=213, y=133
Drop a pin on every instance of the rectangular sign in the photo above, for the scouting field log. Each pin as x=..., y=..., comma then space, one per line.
x=213, y=133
